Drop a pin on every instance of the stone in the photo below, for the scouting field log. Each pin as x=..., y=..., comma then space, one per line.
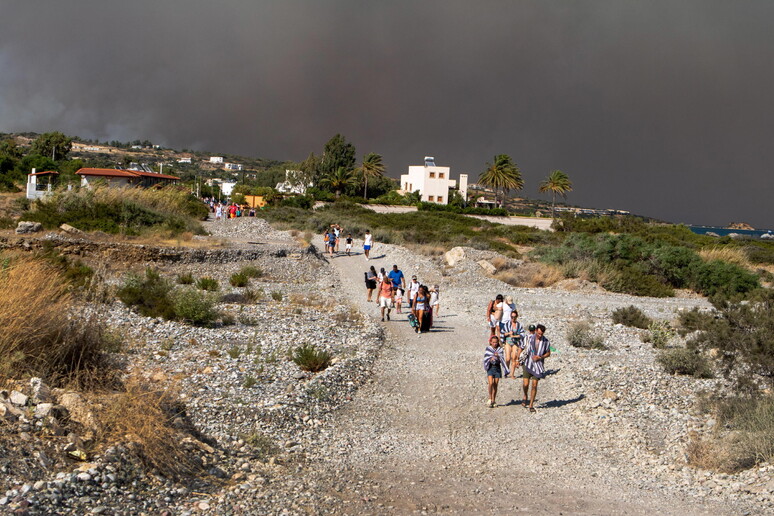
x=18, y=398
x=43, y=409
x=78, y=409
x=25, y=227
x=610, y=395
x=488, y=267
x=454, y=255
x=67, y=228
x=40, y=391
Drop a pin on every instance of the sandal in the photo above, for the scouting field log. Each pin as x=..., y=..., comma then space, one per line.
x=524, y=403
x=532, y=409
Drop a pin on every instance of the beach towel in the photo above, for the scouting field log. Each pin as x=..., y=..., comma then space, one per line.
x=489, y=353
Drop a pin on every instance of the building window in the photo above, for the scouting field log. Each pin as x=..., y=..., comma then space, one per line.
x=432, y=175
x=441, y=175
x=430, y=197
x=440, y=198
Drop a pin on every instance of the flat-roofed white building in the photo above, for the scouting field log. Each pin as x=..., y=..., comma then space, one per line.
x=432, y=182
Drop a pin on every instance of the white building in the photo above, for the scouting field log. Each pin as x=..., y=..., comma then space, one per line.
x=216, y=159
x=227, y=188
x=184, y=160
x=432, y=182
x=233, y=166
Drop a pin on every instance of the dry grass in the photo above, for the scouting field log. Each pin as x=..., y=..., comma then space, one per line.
x=38, y=336
x=726, y=254
x=711, y=455
x=531, y=275
x=145, y=415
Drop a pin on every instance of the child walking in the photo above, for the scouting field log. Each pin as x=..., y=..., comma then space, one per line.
x=398, y=299
x=495, y=367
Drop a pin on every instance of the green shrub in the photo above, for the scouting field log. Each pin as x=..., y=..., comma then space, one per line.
x=633, y=280
x=150, y=294
x=717, y=277
x=276, y=295
x=631, y=316
x=580, y=335
x=208, y=284
x=659, y=334
x=743, y=334
x=239, y=279
x=194, y=307
x=185, y=279
x=249, y=382
x=234, y=352
x=227, y=319
x=684, y=361
x=310, y=358
x=677, y=265
x=695, y=320
x=251, y=271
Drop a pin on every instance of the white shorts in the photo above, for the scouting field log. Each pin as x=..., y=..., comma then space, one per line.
x=385, y=302
x=349, y=246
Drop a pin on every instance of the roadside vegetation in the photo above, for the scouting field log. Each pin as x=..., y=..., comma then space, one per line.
x=126, y=211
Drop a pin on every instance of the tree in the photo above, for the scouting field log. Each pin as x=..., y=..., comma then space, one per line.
x=54, y=145
x=337, y=154
x=338, y=180
x=557, y=182
x=372, y=167
x=501, y=175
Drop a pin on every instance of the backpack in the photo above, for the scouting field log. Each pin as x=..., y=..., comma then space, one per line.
x=325, y=238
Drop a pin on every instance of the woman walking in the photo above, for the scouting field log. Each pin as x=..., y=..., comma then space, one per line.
x=421, y=303
x=533, y=369
x=494, y=315
x=513, y=335
x=494, y=365
x=370, y=282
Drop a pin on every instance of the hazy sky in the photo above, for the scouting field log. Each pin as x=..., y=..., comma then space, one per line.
x=663, y=108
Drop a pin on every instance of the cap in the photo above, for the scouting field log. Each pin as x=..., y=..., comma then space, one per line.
x=532, y=327
x=413, y=277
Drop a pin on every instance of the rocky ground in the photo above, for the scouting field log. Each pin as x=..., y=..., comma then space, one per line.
x=398, y=424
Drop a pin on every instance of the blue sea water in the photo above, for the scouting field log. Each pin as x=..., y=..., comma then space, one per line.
x=703, y=230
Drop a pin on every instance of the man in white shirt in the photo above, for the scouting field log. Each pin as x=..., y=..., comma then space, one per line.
x=413, y=288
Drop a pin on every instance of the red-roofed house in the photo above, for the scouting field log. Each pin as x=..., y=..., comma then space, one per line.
x=120, y=178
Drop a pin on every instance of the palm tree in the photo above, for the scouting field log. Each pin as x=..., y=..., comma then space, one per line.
x=557, y=182
x=372, y=167
x=501, y=175
x=338, y=180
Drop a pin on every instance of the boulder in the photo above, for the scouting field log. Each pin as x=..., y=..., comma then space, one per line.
x=78, y=409
x=610, y=395
x=25, y=226
x=488, y=267
x=43, y=409
x=40, y=391
x=454, y=255
x=67, y=228
x=18, y=398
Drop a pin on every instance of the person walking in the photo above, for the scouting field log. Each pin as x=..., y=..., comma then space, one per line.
x=421, y=303
x=370, y=282
x=337, y=232
x=348, y=244
x=435, y=303
x=219, y=212
x=494, y=315
x=539, y=348
x=331, y=242
x=413, y=288
x=513, y=336
x=399, y=300
x=368, y=242
x=385, y=296
x=495, y=366
x=397, y=279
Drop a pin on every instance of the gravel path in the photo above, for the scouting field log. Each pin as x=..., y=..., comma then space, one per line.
x=419, y=437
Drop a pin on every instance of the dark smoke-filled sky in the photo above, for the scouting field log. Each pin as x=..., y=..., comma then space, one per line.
x=663, y=107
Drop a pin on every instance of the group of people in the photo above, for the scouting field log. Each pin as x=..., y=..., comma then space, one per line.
x=332, y=238
x=510, y=346
x=231, y=211
x=423, y=301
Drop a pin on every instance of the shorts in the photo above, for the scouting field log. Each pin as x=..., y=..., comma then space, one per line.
x=494, y=323
x=494, y=371
x=526, y=374
x=370, y=284
x=385, y=302
x=349, y=246
x=367, y=247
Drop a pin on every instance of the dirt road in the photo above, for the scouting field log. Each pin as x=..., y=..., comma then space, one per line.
x=421, y=438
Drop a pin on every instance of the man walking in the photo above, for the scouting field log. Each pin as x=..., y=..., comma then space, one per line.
x=397, y=279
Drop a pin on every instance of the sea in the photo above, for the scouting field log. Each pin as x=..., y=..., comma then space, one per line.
x=753, y=233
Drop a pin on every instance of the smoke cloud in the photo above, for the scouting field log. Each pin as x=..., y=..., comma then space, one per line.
x=662, y=108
